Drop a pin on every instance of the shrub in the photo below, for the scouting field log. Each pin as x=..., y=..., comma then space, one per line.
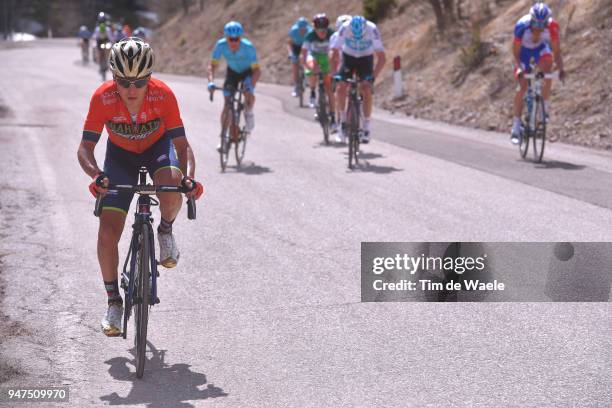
x=375, y=10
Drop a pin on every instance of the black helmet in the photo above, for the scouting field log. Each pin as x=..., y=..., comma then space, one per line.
x=320, y=21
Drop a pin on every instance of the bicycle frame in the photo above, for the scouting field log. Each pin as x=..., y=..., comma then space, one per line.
x=534, y=93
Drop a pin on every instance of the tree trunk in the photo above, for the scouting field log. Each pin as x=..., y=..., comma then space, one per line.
x=449, y=10
x=440, y=21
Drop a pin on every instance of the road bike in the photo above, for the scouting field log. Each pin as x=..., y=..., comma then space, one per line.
x=139, y=276
x=323, y=108
x=533, y=126
x=233, y=132
x=353, y=121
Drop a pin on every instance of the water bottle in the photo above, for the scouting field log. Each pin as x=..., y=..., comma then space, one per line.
x=529, y=100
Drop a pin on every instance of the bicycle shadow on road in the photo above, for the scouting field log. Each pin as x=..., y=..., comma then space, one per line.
x=554, y=164
x=252, y=169
x=366, y=167
x=162, y=385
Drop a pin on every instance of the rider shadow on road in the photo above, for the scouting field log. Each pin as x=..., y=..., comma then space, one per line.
x=252, y=169
x=162, y=385
x=554, y=164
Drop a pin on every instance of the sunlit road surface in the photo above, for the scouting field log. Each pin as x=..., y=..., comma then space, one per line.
x=264, y=307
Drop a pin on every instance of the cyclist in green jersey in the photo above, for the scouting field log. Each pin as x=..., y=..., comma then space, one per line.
x=315, y=58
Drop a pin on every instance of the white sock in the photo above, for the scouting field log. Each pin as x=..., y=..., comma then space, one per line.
x=343, y=116
x=366, y=124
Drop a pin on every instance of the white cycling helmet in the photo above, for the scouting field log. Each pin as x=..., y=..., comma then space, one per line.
x=131, y=58
x=341, y=20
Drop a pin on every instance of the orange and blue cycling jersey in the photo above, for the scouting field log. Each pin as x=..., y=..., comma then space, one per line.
x=532, y=46
x=144, y=139
x=158, y=116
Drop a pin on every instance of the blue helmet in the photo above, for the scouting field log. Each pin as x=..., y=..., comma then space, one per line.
x=540, y=13
x=358, y=24
x=233, y=29
x=302, y=22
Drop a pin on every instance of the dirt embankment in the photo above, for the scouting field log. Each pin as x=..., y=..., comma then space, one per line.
x=442, y=79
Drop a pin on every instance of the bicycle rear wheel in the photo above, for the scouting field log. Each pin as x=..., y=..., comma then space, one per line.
x=141, y=315
x=539, y=133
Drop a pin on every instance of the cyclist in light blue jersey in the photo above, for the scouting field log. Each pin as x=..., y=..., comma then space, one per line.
x=297, y=34
x=242, y=66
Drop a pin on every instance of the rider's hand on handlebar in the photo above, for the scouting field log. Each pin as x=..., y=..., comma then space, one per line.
x=196, y=188
x=99, y=184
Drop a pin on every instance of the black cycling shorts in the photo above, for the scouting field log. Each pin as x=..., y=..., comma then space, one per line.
x=363, y=66
x=233, y=78
x=296, y=49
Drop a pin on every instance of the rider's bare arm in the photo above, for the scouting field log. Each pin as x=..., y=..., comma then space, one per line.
x=334, y=59
x=211, y=71
x=516, y=52
x=303, y=55
x=185, y=156
x=381, y=58
x=87, y=160
x=255, y=75
x=556, y=48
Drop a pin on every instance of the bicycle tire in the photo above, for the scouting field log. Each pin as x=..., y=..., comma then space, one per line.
x=240, y=147
x=322, y=114
x=225, y=144
x=141, y=316
x=524, y=145
x=539, y=133
x=301, y=87
x=353, y=119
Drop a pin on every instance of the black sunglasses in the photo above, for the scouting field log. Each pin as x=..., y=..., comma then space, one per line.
x=234, y=39
x=138, y=83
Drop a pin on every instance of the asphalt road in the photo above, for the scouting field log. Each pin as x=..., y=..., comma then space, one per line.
x=264, y=308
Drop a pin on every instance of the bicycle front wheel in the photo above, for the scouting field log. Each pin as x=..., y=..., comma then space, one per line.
x=240, y=147
x=323, y=115
x=142, y=299
x=353, y=121
x=224, y=145
x=539, y=133
x=524, y=145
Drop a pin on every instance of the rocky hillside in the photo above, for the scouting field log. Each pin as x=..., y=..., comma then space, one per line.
x=463, y=76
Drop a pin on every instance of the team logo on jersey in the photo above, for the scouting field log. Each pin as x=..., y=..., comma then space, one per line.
x=136, y=131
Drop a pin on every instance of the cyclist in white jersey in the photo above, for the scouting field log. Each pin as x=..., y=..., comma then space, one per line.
x=358, y=40
x=335, y=66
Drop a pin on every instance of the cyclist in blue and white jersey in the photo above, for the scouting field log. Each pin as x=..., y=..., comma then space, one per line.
x=358, y=40
x=242, y=66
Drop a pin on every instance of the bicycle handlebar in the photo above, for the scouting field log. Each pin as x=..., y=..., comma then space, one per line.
x=541, y=75
x=148, y=190
x=216, y=88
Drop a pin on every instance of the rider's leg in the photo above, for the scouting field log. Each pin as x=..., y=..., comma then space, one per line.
x=165, y=170
x=109, y=233
x=366, y=92
x=169, y=203
x=546, y=65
